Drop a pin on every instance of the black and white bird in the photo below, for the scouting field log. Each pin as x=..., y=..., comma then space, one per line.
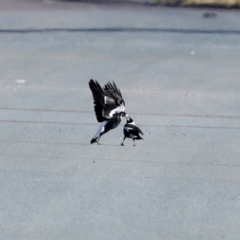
x=130, y=130
x=109, y=107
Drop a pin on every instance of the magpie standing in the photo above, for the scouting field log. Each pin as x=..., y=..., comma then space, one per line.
x=130, y=130
x=109, y=107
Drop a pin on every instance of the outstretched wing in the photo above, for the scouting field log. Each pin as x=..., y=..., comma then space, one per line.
x=107, y=101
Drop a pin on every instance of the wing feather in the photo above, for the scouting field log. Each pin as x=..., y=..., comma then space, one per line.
x=114, y=92
x=134, y=128
x=98, y=97
x=97, y=92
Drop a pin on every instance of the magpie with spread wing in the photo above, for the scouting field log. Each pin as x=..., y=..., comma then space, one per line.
x=109, y=107
x=130, y=130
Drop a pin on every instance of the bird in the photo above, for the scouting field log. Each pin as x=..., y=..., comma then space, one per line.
x=130, y=130
x=109, y=107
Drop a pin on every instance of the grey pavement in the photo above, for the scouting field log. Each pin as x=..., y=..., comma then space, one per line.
x=179, y=76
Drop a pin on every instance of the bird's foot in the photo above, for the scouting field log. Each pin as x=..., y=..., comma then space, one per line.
x=122, y=144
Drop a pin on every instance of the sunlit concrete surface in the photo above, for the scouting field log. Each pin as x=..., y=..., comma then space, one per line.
x=179, y=76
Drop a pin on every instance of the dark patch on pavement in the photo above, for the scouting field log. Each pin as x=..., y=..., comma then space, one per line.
x=121, y=29
x=209, y=15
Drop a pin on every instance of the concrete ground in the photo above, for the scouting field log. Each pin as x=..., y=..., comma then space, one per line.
x=179, y=76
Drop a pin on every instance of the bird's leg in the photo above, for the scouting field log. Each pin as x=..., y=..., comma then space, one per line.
x=123, y=141
x=134, y=142
x=98, y=140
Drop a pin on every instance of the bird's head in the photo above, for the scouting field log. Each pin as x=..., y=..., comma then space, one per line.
x=129, y=120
